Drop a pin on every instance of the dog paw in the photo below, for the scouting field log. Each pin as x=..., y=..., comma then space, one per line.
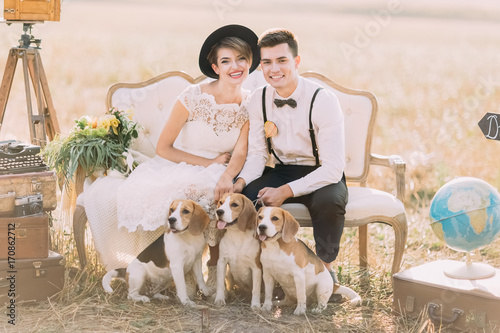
x=188, y=303
x=220, y=301
x=255, y=306
x=318, y=309
x=267, y=306
x=160, y=297
x=299, y=310
x=208, y=291
x=139, y=298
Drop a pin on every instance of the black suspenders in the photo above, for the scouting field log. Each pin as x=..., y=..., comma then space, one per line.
x=311, y=129
x=270, y=149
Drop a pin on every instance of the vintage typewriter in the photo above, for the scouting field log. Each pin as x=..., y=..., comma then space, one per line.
x=18, y=157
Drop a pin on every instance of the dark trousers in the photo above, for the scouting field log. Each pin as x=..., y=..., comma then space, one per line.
x=326, y=205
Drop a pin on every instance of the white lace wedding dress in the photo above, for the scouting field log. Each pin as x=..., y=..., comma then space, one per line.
x=126, y=215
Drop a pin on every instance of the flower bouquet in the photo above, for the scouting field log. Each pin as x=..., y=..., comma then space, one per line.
x=94, y=144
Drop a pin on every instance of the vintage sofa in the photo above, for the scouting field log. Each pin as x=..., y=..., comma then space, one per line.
x=152, y=100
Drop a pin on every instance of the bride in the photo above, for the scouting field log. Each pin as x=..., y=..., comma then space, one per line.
x=211, y=121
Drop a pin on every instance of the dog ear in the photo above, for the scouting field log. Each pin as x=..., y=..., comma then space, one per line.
x=199, y=220
x=290, y=226
x=248, y=215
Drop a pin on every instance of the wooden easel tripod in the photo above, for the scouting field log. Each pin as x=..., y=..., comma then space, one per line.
x=44, y=124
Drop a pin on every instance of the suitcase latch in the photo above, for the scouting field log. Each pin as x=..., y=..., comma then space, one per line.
x=410, y=303
x=36, y=186
x=10, y=194
x=39, y=273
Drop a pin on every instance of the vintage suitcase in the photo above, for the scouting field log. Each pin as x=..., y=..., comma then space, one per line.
x=24, y=185
x=472, y=305
x=28, y=280
x=24, y=237
x=32, y=10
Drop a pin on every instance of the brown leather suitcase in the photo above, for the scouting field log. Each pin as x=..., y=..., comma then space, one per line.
x=26, y=184
x=24, y=237
x=472, y=305
x=27, y=280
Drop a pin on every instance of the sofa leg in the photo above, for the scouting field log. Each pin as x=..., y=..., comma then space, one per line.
x=400, y=234
x=79, y=224
x=363, y=246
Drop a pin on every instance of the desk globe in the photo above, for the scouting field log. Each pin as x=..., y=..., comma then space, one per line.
x=465, y=214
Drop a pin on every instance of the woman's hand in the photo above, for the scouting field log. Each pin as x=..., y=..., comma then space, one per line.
x=222, y=159
x=224, y=185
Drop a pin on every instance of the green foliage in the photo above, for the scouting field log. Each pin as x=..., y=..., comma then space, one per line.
x=93, y=144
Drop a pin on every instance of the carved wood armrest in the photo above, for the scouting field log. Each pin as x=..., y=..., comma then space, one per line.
x=397, y=165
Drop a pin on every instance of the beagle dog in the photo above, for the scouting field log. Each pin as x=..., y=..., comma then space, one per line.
x=239, y=247
x=287, y=260
x=177, y=252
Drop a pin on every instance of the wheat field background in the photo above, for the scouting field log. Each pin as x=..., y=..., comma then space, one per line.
x=434, y=67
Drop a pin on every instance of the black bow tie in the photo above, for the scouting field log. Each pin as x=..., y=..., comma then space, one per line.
x=280, y=102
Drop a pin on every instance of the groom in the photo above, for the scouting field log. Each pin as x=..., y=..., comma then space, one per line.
x=309, y=165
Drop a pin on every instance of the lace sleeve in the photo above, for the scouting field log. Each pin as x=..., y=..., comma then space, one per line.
x=187, y=97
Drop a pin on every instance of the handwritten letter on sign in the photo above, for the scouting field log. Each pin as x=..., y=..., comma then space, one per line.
x=490, y=125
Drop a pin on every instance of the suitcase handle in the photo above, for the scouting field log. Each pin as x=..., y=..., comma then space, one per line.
x=8, y=195
x=431, y=309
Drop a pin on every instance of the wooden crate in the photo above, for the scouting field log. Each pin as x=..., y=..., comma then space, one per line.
x=32, y=10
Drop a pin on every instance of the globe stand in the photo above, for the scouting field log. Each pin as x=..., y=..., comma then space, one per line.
x=469, y=270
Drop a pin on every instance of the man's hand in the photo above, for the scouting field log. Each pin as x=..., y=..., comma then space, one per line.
x=274, y=197
x=239, y=185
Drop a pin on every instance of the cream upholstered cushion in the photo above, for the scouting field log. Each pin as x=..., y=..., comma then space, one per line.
x=144, y=144
x=151, y=105
x=364, y=202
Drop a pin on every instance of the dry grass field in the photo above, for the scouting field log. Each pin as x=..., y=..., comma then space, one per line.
x=434, y=67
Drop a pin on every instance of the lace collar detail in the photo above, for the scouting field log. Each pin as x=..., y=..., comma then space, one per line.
x=245, y=96
x=222, y=118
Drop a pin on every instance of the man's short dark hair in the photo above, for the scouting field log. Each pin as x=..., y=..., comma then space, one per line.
x=276, y=36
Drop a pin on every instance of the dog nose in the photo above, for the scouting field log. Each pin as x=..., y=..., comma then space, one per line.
x=172, y=220
x=262, y=227
x=219, y=212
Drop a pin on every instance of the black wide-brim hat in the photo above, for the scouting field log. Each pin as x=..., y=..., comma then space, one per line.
x=233, y=30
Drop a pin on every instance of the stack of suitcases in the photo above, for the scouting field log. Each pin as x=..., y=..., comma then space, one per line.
x=29, y=271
